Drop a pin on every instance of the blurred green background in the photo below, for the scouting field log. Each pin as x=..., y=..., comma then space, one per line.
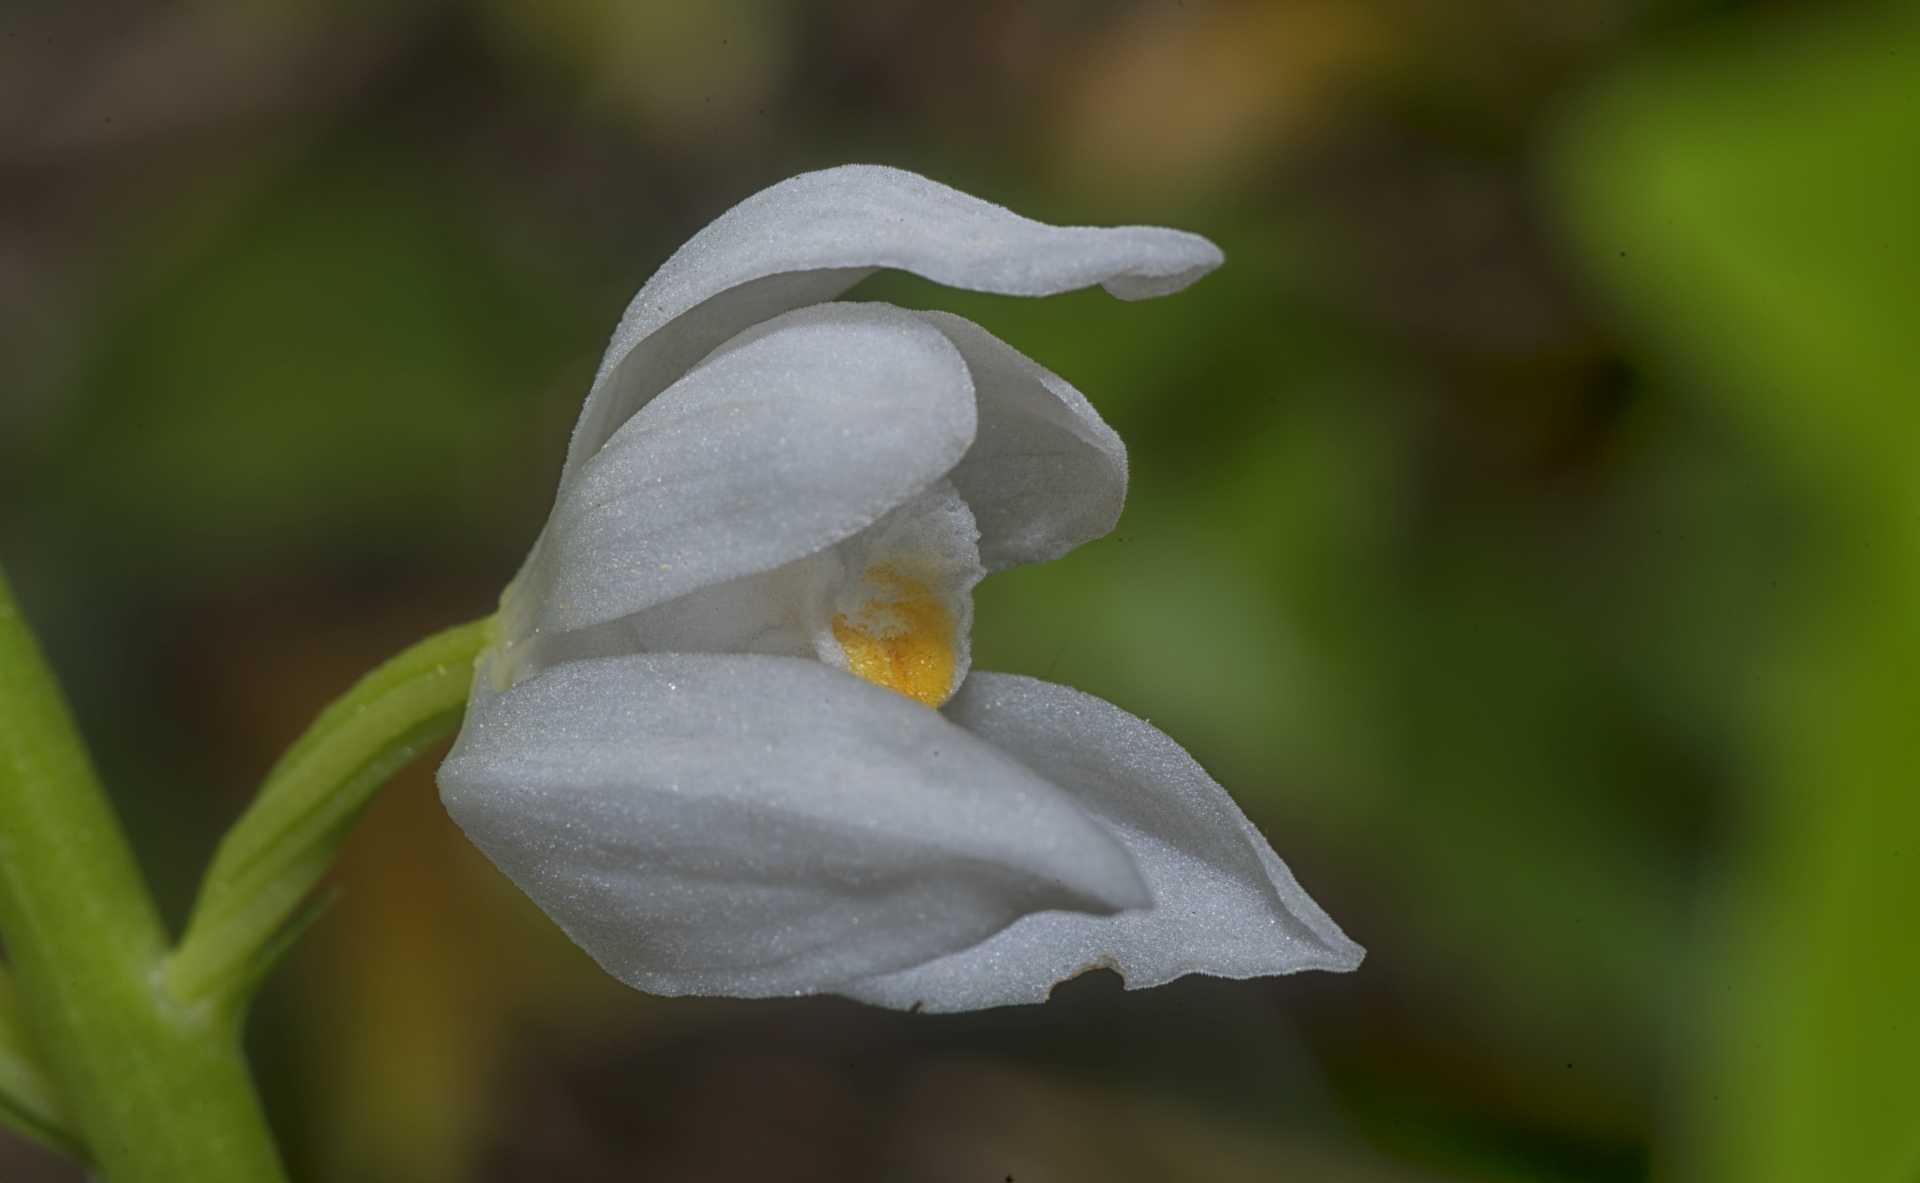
x=1524, y=526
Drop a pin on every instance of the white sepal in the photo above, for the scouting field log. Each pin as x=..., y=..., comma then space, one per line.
x=753, y=826
x=1223, y=902
x=811, y=237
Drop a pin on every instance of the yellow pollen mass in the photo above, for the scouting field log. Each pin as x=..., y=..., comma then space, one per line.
x=901, y=639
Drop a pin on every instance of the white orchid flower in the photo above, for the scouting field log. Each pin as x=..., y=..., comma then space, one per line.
x=728, y=737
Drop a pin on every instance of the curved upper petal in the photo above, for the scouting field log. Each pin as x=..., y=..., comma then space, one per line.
x=1223, y=902
x=797, y=434
x=750, y=825
x=1045, y=472
x=810, y=238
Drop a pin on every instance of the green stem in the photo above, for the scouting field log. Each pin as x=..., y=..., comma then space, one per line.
x=29, y=1100
x=160, y=1091
x=253, y=899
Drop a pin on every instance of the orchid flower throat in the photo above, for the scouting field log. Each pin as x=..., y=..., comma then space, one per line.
x=902, y=637
x=899, y=614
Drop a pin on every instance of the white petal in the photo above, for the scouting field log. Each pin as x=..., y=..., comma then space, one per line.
x=751, y=826
x=1223, y=902
x=812, y=237
x=1045, y=472
x=777, y=612
x=795, y=435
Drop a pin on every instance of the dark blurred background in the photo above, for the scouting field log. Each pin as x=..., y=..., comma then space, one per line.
x=1523, y=526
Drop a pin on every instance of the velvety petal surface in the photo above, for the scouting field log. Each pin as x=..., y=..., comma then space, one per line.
x=1045, y=472
x=1223, y=902
x=753, y=826
x=797, y=434
x=810, y=238
x=776, y=612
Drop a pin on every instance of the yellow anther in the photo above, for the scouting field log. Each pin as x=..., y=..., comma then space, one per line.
x=902, y=638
